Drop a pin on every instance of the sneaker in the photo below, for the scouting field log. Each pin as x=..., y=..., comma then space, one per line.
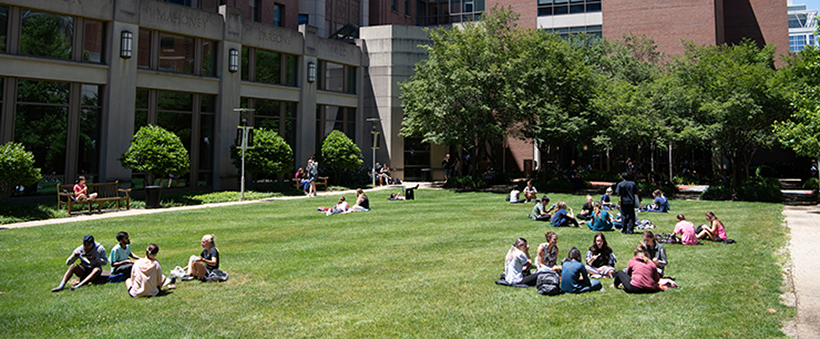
x=187, y=277
x=57, y=289
x=328, y=213
x=529, y=216
x=315, y=195
x=319, y=209
x=173, y=281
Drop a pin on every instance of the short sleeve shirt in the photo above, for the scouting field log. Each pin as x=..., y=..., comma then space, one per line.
x=211, y=254
x=627, y=189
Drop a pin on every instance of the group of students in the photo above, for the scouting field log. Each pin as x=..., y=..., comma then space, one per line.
x=642, y=275
x=143, y=275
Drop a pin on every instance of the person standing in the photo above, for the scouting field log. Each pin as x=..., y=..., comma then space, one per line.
x=628, y=192
x=92, y=257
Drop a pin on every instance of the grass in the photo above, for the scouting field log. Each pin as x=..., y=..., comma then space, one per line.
x=422, y=268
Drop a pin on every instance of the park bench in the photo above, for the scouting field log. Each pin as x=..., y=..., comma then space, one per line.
x=108, y=191
x=320, y=181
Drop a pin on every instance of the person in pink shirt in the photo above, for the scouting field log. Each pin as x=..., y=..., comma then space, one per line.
x=641, y=275
x=81, y=190
x=687, y=231
x=715, y=231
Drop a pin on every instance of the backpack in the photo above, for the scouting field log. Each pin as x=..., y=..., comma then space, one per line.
x=667, y=238
x=549, y=283
x=644, y=224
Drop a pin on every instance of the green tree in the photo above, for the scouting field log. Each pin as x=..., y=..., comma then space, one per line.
x=270, y=155
x=464, y=92
x=339, y=152
x=801, y=132
x=156, y=151
x=738, y=95
x=16, y=168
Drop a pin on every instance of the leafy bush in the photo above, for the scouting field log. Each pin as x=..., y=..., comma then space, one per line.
x=350, y=178
x=338, y=153
x=468, y=182
x=156, y=151
x=16, y=168
x=756, y=189
x=270, y=155
x=684, y=179
x=647, y=188
x=765, y=171
x=811, y=183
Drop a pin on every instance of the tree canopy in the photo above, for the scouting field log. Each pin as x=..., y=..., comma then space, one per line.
x=270, y=155
x=156, y=151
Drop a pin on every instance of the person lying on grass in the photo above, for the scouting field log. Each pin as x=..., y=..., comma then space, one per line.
x=340, y=207
x=714, y=231
x=202, y=266
x=641, y=275
x=574, y=278
x=92, y=259
x=400, y=195
x=146, y=276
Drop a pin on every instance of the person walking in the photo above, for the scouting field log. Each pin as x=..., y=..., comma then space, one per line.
x=628, y=191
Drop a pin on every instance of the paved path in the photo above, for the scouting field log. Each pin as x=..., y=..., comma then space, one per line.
x=804, y=249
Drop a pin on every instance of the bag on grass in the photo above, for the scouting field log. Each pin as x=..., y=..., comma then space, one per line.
x=216, y=275
x=549, y=283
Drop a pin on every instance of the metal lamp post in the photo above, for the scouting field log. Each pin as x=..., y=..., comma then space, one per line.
x=244, y=146
x=374, y=145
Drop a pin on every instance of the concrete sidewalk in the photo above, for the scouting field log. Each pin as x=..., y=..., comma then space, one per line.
x=804, y=249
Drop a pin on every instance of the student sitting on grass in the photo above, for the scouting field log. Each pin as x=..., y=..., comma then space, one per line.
x=202, y=266
x=606, y=200
x=600, y=259
x=540, y=212
x=547, y=254
x=564, y=218
x=600, y=220
x=530, y=193
x=514, y=199
x=362, y=203
x=687, y=231
x=713, y=232
x=120, y=257
x=146, y=277
x=574, y=278
x=660, y=204
x=586, y=210
x=641, y=274
x=92, y=259
x=516, y=262
x=655, y=251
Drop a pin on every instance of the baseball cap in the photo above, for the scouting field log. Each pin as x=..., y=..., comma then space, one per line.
x=88, y=238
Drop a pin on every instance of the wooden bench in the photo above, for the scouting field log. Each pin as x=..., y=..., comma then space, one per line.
x=320, y=181
x=108, y=191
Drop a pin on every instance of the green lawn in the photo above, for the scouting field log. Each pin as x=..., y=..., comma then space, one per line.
x=422, y=268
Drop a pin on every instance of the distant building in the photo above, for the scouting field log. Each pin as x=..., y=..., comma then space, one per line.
x=802, y=26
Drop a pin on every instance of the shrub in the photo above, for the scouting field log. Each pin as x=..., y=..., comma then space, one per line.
x=270, y=155
x=756, y=189
x=684, y=179
x=16, y=168
x=765, y=171
x=339, y=152
x=156, y=151
x=811, y=183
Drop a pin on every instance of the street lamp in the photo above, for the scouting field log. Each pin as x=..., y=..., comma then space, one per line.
x=374, y=144
x=244, y=146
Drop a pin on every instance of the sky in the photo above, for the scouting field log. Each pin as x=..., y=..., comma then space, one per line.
x=810, y=4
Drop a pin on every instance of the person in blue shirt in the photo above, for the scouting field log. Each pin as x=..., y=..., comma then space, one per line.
x=564, y=218
x=660, y=204
x=574, y=277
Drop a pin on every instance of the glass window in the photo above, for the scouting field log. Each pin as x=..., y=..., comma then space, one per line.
x=268, y=67
x=278, y=15
x=176, y=117
x=141, y=113
x=292, y=68
x=46, y=34
x=330, y=118
x=244, y=57
x=393, y=5
x=333, y=77
x=4, y=15
x=144, y=49
x=93, y=40
x=88, y=145
x=176, y=53
x=256, y=9
x=303, y=19
x=206, y=144
x=175, y=101
x=351, y=79
x=209, y=57
x=407, y=7
x=41, y=123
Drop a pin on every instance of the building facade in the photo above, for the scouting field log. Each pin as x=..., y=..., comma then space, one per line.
x=802, y=26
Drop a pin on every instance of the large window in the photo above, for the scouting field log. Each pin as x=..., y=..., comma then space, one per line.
x=46, y=34
x=561, y=7
x=191, y=117
x=330, y=118
x=278, y=15
x=4, y=22
x=93, y=39
x=269, y=67
x=176, y=53
x=208, y=5
x=88, y=144
x=256, y=9
x=337, y=77
x=595, y=31
x=416, y=159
